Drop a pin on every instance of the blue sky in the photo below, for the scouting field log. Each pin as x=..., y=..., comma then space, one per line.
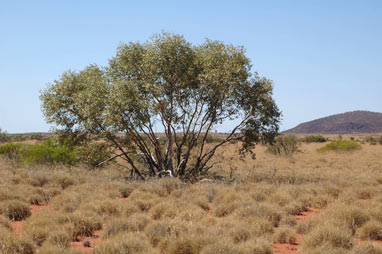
x=324, y=56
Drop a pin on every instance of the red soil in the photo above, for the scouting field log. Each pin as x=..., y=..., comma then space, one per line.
x=286, y=248
x=304, y=215
x=17, y=226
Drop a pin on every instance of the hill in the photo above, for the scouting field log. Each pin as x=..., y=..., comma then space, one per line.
x=346, y=123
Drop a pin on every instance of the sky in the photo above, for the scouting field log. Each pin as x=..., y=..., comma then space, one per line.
x=324, y=56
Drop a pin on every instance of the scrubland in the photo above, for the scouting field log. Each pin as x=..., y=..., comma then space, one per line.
x=245, y=206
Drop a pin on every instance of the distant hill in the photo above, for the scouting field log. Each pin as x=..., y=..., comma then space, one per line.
x=346, y=123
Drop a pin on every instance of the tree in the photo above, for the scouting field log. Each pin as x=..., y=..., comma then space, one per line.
x=186, y=89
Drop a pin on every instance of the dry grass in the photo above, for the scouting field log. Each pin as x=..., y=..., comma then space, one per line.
x=15, y=209
x=10, y=244
x=129, y=243
x=253, y=206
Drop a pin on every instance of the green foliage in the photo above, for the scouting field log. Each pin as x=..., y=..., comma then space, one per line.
x=213, y=139
x=185, y=89
x=4, y=136
x=57, y=150
x=11, y=150
x=92, y=153
x=340, y=146
x=314, y=139
x=284, y=145
x=49, y=152
x=380, y=140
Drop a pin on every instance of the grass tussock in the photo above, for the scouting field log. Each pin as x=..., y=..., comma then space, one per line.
x=285, y=235
x=372, y=230
x=246, y=214
x=366, y=248
x=10, y=244
x=327, y=235
x=15, y=209
x=128, y=243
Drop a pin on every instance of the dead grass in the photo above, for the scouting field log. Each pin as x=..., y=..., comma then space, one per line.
x=128, y=243
x=10, y=244
x=245, y=213
x=15, y=209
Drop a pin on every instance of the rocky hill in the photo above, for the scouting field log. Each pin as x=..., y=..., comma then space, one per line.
x=346, y=123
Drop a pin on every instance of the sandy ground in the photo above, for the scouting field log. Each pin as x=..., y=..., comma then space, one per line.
x=286, y=248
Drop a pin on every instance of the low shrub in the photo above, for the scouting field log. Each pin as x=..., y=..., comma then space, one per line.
x=49, y=152
x=11, y=150
x=340, y=146
x=284, y=145
x=4, y=136
x=314, y=139
x=371, y=140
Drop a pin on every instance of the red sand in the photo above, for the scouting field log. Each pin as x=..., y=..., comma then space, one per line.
x=17, y=226
x=286, y=248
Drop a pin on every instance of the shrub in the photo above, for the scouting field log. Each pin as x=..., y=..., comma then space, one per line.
x=380, y=140
x=284, y=145
x=15, y=209
x=37, y=136
x=340, y=146
x=371, y=140
x=314, y=139
x=11, y=150
x=4, y=136
x=49, y=152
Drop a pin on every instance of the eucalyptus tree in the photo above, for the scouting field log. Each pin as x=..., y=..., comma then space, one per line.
x=166, y=81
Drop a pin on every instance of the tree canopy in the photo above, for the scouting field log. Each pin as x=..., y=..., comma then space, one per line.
x=166, y=81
